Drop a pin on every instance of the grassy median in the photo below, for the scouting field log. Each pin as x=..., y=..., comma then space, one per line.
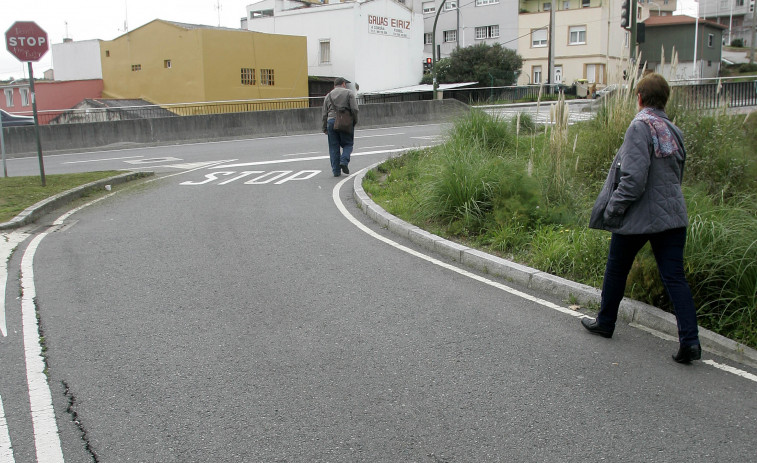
x=18, y=193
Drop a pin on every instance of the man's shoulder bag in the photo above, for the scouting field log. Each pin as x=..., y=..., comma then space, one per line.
x=343, y=121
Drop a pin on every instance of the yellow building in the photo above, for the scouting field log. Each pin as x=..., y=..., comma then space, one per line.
x=166, y=62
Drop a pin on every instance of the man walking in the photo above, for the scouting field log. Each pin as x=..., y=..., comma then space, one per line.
x=340, y=141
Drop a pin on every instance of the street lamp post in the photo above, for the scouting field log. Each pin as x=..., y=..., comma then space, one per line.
x=433, y=49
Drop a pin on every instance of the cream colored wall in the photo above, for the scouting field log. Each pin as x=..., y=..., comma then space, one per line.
x=604, y=44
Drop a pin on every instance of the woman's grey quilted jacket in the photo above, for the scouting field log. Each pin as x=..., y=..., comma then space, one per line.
x=642, y=193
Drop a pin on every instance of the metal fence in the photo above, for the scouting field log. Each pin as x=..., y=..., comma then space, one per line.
x=704, y=94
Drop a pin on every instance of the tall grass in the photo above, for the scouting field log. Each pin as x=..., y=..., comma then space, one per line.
x=525, y=192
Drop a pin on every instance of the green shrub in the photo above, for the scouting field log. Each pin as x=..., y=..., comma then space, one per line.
x=748, y=67
x=737, y=42
x=479, y=130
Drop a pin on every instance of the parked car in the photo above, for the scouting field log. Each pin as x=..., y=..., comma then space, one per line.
x=12, y=120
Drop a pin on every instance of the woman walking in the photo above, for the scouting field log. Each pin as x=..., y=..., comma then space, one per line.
x=641, y=202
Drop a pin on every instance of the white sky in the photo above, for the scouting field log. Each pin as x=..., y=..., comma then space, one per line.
x=104, y=19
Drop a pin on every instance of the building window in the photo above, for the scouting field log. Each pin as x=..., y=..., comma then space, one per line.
x=427, y=38
x=450, y=36
x=595, y=73
x=709, y=64
x=710, y=39
x=266, y=77
x=24, y=96
x=487, y=32
x=248, y=76
x=546, y=6
x=9, y=97
x=739, y=2
x=538, y=38
x=325, y=51
x=566, y=5
x=486, y=2
x=107, y=53
x=429, y=7
x=577, y=35
x=136, y=67
x=585, y=3
x=536, y=74
x=450, y=5
x=261, y=14
x=167, y=63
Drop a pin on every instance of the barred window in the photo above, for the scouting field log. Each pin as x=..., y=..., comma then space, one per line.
x=266, y=77
x=248, y=76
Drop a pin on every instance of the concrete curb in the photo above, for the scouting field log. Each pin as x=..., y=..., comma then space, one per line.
x=631, y=311
x=34, y=212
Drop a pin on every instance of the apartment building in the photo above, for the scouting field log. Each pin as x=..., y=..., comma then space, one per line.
x=736, y=15
x=464, y=23
x=589, y=42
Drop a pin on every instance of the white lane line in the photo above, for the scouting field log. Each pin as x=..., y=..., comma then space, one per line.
x=312, y=158
x=733, y=370
x=6, y=450
x=104, y=159
x=46, y=439
x=360, y=137
x=303, y=154
x=513, y=291
x=8, y=242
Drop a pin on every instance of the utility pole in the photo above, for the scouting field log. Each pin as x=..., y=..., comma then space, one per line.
x=754, y=30
x=550, y=52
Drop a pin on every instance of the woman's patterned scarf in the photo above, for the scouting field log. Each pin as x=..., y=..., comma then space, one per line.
x=664, y=141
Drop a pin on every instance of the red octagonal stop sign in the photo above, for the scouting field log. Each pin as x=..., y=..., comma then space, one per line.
x=26, y=41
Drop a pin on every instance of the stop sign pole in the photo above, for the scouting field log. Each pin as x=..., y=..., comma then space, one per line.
x=28, y=42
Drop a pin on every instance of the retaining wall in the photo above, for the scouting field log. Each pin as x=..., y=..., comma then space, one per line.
x=21, y=141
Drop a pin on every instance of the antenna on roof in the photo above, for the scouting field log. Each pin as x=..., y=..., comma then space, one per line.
x=218, y=8
x=126, y=16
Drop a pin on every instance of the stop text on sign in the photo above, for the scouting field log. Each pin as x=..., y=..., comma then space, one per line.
x=27, y=41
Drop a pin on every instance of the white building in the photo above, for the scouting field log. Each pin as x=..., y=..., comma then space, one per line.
x=736, y=15
x=77, y=60
x=376, y=43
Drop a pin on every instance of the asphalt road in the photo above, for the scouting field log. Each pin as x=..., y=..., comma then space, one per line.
x=232, y=310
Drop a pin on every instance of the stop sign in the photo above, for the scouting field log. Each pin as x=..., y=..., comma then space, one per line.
x=26, y=41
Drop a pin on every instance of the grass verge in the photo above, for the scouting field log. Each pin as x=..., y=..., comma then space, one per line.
x=18, y=193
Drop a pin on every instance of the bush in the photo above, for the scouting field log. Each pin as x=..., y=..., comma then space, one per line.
x=747, y=67
x=737, y=42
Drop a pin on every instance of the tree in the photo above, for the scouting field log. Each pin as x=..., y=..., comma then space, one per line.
x=489, y=65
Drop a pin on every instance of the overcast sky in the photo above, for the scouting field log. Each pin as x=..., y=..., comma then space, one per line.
x=108, y=19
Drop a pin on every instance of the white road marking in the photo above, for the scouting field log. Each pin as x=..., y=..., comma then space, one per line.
x=302, y=154
x=358, y=224
x=733, y=370
x=104, y=159
x=312, y=158
x=360, y=137
x=6, y=450
x=8, y=242
x=515, y=292
x=46, y=438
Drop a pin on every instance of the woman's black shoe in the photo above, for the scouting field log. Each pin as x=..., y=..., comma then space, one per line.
x=688, y=353
x=596, y=328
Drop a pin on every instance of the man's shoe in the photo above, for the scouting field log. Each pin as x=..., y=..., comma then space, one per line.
x=596, y=328
x=345, y=169
x=688, y=353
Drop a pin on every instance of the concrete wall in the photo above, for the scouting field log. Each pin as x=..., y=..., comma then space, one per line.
x=20, y=141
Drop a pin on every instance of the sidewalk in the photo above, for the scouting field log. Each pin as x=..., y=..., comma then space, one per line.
x=636, y=313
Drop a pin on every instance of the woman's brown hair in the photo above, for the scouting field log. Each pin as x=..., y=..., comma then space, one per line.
x=654, y=91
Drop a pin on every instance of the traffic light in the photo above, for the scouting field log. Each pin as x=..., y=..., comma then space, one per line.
x=625, y=14
x=427, y=65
